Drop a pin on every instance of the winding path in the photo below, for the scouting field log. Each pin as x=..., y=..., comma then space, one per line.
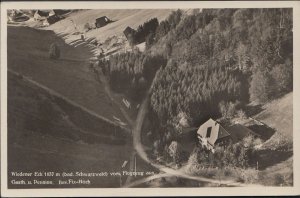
x=168, y=171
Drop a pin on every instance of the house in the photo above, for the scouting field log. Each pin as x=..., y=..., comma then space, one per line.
x=129, y=32
x=211, y=134
x=52, y=19
x=102, y=21
x=60, y=11
x=40, y=15
x=127, y=104
x=51, y=13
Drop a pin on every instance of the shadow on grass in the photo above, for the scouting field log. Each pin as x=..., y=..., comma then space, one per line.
x=269, y=157
x=264, y=131
x=253, y=110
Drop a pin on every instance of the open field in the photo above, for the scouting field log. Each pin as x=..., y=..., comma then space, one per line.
x=47, y=133
x=69, y=76
x=121, y=18
x=43, y=136
x=277, y=152
x=279, y=115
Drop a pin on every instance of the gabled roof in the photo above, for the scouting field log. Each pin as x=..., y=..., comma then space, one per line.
x=60, y=11
x=128, y=30
x=217, y=131
x=42, y=13
x=222, y=132
x=102, y=18
x=52, y=19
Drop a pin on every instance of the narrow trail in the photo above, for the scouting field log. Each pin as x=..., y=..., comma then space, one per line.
x=147, y=179
x=54, y=93
x=102, y=79
x=136, y=132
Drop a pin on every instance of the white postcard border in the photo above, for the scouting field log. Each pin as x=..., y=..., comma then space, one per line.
x=151, y=191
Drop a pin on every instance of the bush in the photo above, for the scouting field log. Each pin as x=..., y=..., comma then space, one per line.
x=181, y=121
x=278, y=179
x=247, y=175
x=54, y=51
x=175, y=151
x=241, y=114
x=193, y=164
x=87, y=27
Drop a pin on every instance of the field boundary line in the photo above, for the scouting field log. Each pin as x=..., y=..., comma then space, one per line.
x=56, y=94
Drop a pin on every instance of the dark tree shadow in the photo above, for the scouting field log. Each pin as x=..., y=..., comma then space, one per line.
x=264, y=131
x=253, y=110
x=266, y=158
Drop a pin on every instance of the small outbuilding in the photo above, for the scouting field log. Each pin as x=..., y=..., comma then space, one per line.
x=40, y=15
x=129, y=32
x=102, y=21
x=52, y=19
x=51, y=13
x=60, y=12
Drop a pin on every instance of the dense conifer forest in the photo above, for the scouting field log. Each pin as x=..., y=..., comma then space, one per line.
x=229, y=55
x=208, y=57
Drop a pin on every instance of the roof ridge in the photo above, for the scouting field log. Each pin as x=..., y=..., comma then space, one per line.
x=224, y=130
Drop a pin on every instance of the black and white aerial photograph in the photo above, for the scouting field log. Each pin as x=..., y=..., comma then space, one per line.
x=143, y=98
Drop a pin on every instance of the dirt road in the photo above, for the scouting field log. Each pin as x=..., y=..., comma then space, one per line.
x=136, y=133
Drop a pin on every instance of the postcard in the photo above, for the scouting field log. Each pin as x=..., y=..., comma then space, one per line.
x=149, y=98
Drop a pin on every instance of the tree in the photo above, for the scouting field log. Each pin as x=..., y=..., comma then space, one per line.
x=182, y=120
x=175, y=151
x=282, y=75
x=261, y=87
x=240, y=52
x=157, y=147
x=227, y=109
x=131, y=39
x=150, y=40
x=143, y=32
x=87, y=27
x=54, y=51
x=193, y=162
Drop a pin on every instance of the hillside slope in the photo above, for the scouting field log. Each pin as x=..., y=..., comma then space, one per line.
x=70, y=75
x=51, y=135
x=121, y=18
x=279, y=115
